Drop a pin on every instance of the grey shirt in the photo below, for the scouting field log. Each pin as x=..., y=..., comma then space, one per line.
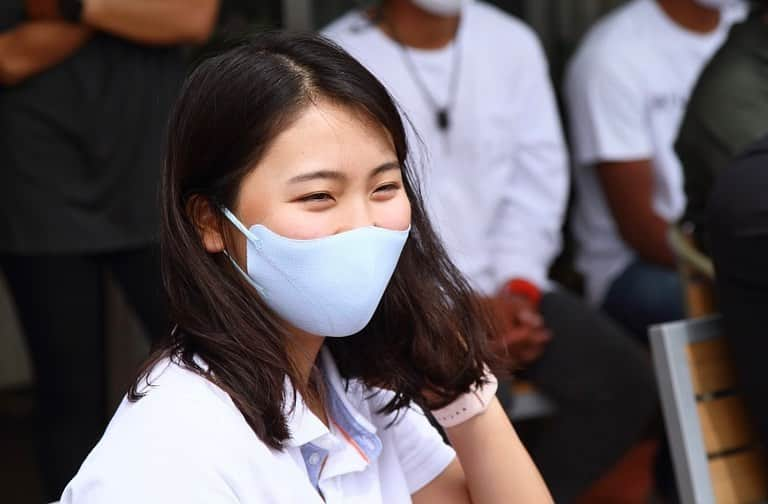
x=727, y=112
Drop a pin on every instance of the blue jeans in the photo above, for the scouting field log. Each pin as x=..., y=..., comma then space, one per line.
x=645, y=294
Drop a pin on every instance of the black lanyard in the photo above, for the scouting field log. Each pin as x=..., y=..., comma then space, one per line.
x=442, y=114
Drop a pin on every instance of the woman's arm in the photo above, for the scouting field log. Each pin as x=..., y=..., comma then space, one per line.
x=492, y=467
x=35, y=46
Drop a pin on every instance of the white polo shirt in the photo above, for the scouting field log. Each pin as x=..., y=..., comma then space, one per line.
x=185, y=441
x=626, y=89
x=495, y=183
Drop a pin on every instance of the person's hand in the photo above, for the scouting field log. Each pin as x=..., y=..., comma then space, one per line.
x=522, y=333
x=42, y=9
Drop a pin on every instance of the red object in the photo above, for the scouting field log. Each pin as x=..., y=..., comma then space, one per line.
x=524, y=288
x=630, y=481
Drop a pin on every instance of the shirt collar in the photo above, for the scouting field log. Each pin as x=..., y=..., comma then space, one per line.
x=305, y=427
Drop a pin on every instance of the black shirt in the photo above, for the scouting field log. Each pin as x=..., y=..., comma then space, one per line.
x=739, y=200
x=738, y=220
x=80, y=147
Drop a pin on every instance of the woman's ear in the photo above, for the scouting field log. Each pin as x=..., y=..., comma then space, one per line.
x=207, y=221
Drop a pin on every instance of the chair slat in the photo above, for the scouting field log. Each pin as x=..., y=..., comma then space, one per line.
x=724, y=424
x=711, y=366
x=739, y=478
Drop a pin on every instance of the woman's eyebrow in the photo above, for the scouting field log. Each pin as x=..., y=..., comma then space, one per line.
x=319, y=174
x=337, y=175
x=390, y=165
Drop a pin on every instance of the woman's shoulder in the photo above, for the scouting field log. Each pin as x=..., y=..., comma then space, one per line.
x=184, y=433
x=173, y=394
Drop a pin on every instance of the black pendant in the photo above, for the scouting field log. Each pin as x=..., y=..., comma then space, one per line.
x=442, y=119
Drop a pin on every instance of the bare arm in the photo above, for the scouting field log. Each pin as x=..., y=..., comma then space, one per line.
x=35, y=46
x=493, y=467
x=628, y=188
x=153, y=21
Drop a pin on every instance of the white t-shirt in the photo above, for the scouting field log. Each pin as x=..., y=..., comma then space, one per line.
x=185, y=441
x=496, y=183
x=626, y=88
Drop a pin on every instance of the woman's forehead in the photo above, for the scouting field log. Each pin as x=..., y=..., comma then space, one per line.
x=326, y=136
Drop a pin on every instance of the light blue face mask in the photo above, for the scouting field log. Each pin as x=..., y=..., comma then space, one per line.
x=328, y=286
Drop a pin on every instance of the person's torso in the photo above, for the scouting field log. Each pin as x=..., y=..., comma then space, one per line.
x=727, y=112
x=664, y=60
x=183, y=414
x=479, y=87
x=81, y=146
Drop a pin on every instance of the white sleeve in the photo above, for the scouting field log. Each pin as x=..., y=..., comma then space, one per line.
x=422, y=453
x=607, y=109
x=173, y=445
x=157, y=480
x=153, y=464
x=525, y=235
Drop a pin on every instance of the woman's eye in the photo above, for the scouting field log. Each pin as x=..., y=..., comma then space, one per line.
x=316, y=197
x=387, y=188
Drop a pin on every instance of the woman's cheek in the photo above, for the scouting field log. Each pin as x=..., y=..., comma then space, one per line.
x=302, y=225
x=397, y=215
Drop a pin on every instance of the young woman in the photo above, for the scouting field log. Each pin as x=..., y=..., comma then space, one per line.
x=316, y=313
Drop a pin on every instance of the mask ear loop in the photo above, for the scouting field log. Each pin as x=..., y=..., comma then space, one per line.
x=240, y=227
x=250, y=236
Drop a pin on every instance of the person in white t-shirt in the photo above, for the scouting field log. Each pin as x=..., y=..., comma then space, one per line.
x=316, y=313
x=475, y=84
x=626, y=89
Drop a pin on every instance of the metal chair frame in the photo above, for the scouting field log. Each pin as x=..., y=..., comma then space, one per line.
x=668, y=345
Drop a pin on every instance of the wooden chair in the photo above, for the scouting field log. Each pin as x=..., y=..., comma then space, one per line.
x=714, y=449
x=696, y=273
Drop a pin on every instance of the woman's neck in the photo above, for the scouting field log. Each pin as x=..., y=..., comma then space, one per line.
x=411, y=26
x=303, y=351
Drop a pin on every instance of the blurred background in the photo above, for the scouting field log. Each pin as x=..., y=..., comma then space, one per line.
x=560, y=25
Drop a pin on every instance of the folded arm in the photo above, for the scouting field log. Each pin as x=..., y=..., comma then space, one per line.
x=35, y=46
x=153, y=21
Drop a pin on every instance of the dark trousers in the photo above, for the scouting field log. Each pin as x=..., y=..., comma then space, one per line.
x=738, y=216
x=742, y=272
x=645, y=294
x=60, y=303
x=603, y=385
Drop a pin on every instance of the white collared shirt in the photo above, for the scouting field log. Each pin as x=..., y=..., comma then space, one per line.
x=185, y=441
x=495, y=183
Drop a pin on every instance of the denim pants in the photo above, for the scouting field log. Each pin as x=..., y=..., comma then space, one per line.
x=645, y=294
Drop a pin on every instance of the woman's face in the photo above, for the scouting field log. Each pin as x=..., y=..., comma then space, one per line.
x=331, y=171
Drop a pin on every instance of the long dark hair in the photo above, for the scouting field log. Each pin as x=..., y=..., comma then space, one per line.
x=427, y=341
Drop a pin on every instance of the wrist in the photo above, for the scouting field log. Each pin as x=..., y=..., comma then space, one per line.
x=468, y=405
x=523, y=288
x=469, y=428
